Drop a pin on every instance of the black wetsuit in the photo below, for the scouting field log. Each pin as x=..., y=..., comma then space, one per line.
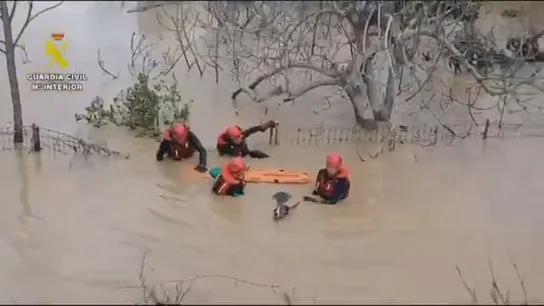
x=225, y=146
x=178, y=151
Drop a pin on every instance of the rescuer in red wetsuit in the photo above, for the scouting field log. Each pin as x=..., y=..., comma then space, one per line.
x=231, y=180
x=179, y=142
x=332, y=182
x=233, y=140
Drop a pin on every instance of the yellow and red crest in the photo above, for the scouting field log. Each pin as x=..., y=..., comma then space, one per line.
x=57, y=36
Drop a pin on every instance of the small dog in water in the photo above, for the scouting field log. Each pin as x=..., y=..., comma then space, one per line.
x=282, y=209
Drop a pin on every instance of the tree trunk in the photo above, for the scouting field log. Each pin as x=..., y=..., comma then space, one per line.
x=363, y=112
x=384, y=114
x=361, y=75
x=12, y=75
x=372, y=86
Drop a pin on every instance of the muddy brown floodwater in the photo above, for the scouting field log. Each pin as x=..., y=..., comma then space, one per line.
x=75, y=231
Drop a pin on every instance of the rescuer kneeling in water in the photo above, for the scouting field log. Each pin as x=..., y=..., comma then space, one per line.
x=332, y=183
x=233, y=140
x=231, y=180
x=180, y=142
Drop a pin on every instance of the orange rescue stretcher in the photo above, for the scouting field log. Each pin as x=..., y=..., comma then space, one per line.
x=280, y=176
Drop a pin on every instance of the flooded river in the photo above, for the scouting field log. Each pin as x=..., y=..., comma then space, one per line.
x=76, y=231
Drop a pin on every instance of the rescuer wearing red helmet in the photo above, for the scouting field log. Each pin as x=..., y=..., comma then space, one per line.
x=231, y=181
x=180, y=142
x=233, y=140
x=332, y=182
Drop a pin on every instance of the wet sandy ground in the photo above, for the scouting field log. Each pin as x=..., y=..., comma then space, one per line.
x=74, y=231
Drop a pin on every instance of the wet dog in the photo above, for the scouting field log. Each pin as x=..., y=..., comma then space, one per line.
x=282, y=209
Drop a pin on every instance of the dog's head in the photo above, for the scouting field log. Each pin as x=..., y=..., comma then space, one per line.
x=280, y=211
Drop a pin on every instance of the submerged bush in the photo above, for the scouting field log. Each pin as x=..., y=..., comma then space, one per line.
x=510, y=13
x=142, y=107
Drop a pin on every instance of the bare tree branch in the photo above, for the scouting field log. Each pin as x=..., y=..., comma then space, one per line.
x=144, y=59
x=101, y=65
x=180, y=33
x=521, y=279
x=12, y=13
x=30, y=17
x=26, y=59
x=498, y=296
x=259, y=80
x=145, y=8
x=470, y=290
x=291, y=95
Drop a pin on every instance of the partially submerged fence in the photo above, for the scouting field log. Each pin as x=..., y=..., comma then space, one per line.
x=418, y=134
x=37, y=139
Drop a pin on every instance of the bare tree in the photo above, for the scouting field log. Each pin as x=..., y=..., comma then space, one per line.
x=377, y=53
x=9, y=44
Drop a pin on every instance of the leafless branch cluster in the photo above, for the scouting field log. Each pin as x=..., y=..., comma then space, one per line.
x=158, y=295
x=144, y=52
x=378, y=53
x=498, y=296
x=145, y=58
x=7, y=15
x=508, y=79
x=183, y=32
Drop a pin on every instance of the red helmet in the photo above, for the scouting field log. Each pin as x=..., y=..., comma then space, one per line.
x=235, y=132
x=180, y=132
x=334, y=161
x=236, y=165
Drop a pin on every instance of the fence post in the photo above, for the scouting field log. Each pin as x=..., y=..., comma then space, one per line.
x=270, y=136
x=486, y=129
x=273, y=136
x=36, y=143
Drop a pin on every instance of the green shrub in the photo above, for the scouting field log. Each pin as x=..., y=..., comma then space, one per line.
x=142, y=107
